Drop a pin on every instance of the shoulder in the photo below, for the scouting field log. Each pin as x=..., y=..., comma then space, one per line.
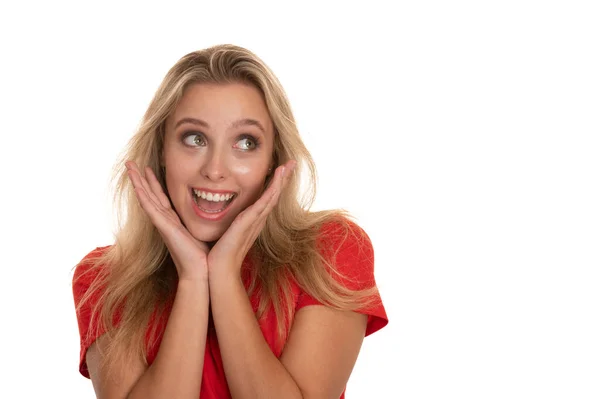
x=346, y=245
x=341, y=231
x=87, y=298
x=88, y=269
x=90, y=260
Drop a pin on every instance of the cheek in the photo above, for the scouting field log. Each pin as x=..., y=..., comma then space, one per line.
x=175, y=179
x=171, y=187
x=242, y=169
x=250, y=177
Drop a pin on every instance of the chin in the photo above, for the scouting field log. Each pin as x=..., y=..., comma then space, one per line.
x=207, y=235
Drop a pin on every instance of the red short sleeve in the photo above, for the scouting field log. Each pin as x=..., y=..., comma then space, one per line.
x=355, y=262
x=83, y=277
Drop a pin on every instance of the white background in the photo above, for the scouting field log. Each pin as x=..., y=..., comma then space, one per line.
x=463, y=135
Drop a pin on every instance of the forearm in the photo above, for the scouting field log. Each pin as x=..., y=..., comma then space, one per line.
x=251, y=368
x=177, y=370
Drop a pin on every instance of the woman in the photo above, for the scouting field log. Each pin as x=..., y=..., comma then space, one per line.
x=210, y=286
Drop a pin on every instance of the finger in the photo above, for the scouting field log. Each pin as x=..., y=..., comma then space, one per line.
x=284, y=171
x=159, y=218
x=157, y=213
x=261, y=219
x=272, y=201
x=273, y=192
x=142, y=182
x=259, y=211
x=250, y=215
x=278, y=185
x=157, y=188
x=290, y=166
x=253, y=219
x=149, y=191
x=146, y=203
x=268, y=195
x=134, y=176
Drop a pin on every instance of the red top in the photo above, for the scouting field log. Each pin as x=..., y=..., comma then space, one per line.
x=354, y=260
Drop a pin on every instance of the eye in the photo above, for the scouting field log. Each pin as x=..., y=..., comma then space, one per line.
x=247, y=143
x=194, y=140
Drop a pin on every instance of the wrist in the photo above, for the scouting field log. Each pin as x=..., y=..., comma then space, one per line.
x=221, y=275
x=198, y=280
x=195, y=293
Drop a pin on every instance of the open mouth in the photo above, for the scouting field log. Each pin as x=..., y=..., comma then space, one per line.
x=211, y=202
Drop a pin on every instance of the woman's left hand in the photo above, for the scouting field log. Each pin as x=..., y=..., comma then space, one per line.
x=226, y=256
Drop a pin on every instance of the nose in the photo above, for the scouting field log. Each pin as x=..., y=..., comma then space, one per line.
x=214, y=166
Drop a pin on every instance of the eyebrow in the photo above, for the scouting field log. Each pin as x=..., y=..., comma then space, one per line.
x=236, y=124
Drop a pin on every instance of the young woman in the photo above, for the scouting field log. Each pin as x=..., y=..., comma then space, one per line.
x=220, y=282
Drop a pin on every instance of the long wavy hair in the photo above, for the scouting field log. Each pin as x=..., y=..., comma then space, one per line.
x=136, y=276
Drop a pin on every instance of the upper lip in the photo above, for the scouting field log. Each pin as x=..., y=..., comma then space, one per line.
x=207, y=190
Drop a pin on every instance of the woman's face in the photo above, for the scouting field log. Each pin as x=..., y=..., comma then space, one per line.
x=217, y=152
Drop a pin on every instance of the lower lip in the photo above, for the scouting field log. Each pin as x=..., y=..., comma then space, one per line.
x=213, y=217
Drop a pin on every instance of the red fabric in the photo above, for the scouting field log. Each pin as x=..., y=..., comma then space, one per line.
x=354, y=260
x=82, y=278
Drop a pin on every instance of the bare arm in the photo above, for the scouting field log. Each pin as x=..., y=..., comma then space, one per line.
x=177, y=370
x=317, y=360
x=323, y=344
x=322, y=349
x=252, y=370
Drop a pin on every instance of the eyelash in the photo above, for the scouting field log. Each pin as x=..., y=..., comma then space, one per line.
x=255, y=140
x=250, y=137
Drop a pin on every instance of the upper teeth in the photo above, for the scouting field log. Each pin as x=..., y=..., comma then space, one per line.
x=212, y=196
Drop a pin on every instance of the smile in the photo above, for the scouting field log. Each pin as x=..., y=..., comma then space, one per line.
x=210, y=205
x=209, y=196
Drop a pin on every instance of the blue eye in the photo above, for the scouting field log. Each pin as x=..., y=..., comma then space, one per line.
x=194, y=140
x=247, y=143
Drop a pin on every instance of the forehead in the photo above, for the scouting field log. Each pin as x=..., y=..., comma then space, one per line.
x=222, y=104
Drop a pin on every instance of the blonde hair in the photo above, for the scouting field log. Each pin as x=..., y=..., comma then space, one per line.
x=136, y=275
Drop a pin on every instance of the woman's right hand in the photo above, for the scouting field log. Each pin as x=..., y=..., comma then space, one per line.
x=189, y=254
